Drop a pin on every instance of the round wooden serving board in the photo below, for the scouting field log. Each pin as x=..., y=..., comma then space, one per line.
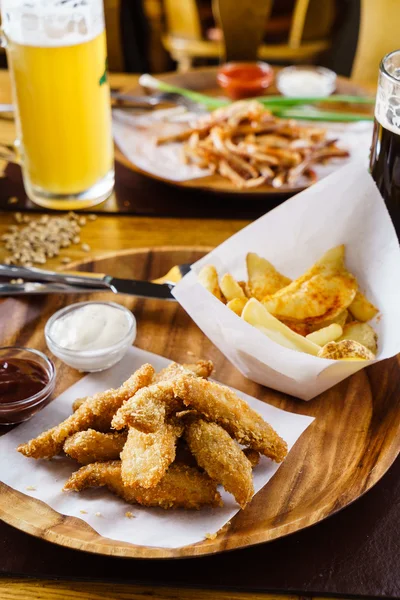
x=352, y=442
x=204, y=80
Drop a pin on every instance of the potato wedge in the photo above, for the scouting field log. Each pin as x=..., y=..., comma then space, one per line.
x=346, y=350
x=208, y=277
x=322, y=293
x=362, y=309
x=230, y=287
x=237, y=305
x=340, y=319
x=257, y=315
x=264, y=279
x=243, y=285
x=326, y=334
x=362, y=333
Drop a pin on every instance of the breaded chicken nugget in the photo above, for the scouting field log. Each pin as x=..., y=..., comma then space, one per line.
x=221, y=457
x=181, y=487
x=252, y=455
x=78, y=402
x=220, y=404
x=99, y=408
x=92, y=446
x=147, y=456
x=202, y=368
x=148, y=408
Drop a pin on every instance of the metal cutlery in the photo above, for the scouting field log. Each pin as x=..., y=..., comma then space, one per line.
x=40, y=281
x=128, y=101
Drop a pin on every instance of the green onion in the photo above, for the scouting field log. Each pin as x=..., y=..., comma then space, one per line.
x=276, y=104
x=321, y=115
x=151, y=82
x=289, y=101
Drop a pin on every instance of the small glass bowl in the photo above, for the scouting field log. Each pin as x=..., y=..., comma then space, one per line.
x=245, y=79
x=286, y=84
x=22, y=410
x=91, y=360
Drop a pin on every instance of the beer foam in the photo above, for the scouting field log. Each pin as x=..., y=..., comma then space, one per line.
x=52, y=23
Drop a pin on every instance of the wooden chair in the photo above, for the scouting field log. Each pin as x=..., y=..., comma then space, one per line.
x=112, y=12
x=378, y=35
x=243, y=24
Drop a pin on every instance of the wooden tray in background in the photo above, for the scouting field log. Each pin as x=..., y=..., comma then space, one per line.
x=204, y=80
x=352, y=442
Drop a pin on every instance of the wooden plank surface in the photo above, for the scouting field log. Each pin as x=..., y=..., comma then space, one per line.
x=104, y=235
x=15, y=589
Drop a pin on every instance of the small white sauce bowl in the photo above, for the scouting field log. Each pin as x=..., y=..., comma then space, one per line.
x=287, y=81
x=91, y=360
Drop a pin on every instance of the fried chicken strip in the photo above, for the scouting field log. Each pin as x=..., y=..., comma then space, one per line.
x=147, y=456
x=148, y=409
x=91, y=446
x=78, y=402
x=220, y=404
x=201, y=368
x=252, y=455
x=99, y=408
x=181, y=487
x=221, y=458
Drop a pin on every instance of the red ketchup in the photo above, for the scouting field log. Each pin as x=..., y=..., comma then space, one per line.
x=245, y=80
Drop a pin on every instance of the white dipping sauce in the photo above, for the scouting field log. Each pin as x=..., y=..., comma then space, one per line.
x=90, y=327
x=303, y=83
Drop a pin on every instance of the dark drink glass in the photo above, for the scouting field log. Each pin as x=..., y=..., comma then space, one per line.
x=385, y=151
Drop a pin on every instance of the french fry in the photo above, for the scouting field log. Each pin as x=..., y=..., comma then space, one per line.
x=264, y=279
x=208, y=277
x=362, y=333
x=250, y=147
x=362, y=309
x=326, y=334
x=312, y=314
x=340, y=319
x=346, y=350
x=257, y=315
x=230, y=287
x=237, y=305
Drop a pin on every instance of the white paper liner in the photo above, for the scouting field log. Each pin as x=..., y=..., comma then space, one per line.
x=150, y=526
x=136, y=137
x=345, y=208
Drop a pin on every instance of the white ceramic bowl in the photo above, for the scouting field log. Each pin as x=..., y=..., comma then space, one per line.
x=92, y=360
x=305, y=81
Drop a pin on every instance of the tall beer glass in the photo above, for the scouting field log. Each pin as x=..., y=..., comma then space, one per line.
x=57, y=57
x=385, y=151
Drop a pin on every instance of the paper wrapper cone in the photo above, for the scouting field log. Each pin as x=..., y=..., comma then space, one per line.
x=344, y=208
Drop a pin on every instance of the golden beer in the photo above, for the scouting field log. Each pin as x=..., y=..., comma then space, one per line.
x=63, y=114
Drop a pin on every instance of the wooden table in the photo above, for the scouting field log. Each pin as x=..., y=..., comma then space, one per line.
x=107, y=234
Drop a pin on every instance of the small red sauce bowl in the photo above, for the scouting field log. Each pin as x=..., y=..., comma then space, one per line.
x=245, y=79
x=22, y=410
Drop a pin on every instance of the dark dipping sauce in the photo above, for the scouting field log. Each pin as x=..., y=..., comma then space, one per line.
x=20, y=379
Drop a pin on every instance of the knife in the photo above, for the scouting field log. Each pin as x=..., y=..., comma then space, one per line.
x=86, y=282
